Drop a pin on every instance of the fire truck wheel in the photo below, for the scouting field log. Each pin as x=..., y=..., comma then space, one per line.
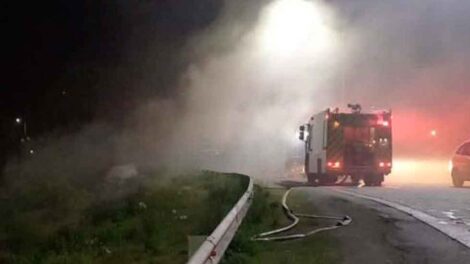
x=378, y=182
x=312, y=178
x=326, y=179
x=368, y=180
x=373, y=179
x=379, y=178
x=355, y=180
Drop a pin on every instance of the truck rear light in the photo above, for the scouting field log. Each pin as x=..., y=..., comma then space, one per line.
x=384, y=123
x=385, y=164
x=334, y=165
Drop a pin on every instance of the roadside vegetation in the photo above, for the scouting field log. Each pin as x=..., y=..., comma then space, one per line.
x=144, y=219
x=266, y=214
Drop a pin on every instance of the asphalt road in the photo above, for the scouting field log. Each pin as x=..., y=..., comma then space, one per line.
x=445, y=208
x=382, y=234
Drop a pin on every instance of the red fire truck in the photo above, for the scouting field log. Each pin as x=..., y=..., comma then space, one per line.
x=354, y=144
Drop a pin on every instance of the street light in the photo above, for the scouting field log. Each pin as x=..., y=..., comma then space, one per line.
x=292, y=26
x=20, y=121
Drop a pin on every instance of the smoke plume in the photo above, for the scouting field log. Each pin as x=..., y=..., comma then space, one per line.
x=263, y=67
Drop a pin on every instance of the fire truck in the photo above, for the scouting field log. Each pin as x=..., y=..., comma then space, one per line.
x=353, y=145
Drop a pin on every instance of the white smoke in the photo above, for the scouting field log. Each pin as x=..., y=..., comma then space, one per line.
x=247, y=103
x=254, y=77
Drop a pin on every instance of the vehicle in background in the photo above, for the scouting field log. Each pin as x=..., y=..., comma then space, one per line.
x=460, y=165
x=355, y=144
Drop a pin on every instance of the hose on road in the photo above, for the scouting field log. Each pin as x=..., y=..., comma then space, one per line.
x=294, y=217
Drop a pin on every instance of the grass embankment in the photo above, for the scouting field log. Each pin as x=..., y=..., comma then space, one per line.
x=266, y=214
x=141, y=220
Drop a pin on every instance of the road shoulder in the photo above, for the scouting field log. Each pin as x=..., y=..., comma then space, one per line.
x=459, y=233
x=381, y=234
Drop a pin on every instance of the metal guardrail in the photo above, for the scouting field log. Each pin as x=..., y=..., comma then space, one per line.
x=213, y=248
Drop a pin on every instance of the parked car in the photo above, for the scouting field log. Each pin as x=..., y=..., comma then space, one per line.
x=460, y=165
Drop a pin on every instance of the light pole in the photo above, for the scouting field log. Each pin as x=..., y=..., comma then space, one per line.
x=24, y=138
x=20, y=121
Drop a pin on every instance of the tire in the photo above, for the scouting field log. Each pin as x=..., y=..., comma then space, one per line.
x=379, y=179
x=378, y=183
x=312, y=178
x=326, y=179
x=355, y=180
x=457, y=181
x=373, y=180
x=368, y=180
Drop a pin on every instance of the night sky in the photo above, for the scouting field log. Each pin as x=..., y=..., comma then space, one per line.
x=69, y=62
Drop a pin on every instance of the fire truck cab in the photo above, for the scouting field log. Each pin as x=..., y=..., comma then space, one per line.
x=352, y=144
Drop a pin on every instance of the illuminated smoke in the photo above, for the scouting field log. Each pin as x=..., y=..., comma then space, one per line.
x=410, y=56
x=243, y=105
x=248, y=103
x=419, y=172
x=252, y=82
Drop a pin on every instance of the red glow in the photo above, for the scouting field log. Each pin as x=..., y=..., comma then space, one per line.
x=413, y=136
x=389, y=164
x=419, y=172
x=382, y=122
x=382, y=164
x=334, y=165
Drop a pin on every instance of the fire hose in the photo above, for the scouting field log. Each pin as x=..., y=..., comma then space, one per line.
x=295, y=218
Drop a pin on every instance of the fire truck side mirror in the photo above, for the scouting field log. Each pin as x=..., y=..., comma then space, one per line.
x=301, y=134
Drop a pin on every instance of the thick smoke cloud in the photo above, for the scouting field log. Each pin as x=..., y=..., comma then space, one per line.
x=242, y=105
x=242, y=95
x=411, y=56
x=242, y=100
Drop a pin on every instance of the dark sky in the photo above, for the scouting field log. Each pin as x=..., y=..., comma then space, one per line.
x=93, y=51
x=68, y=62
